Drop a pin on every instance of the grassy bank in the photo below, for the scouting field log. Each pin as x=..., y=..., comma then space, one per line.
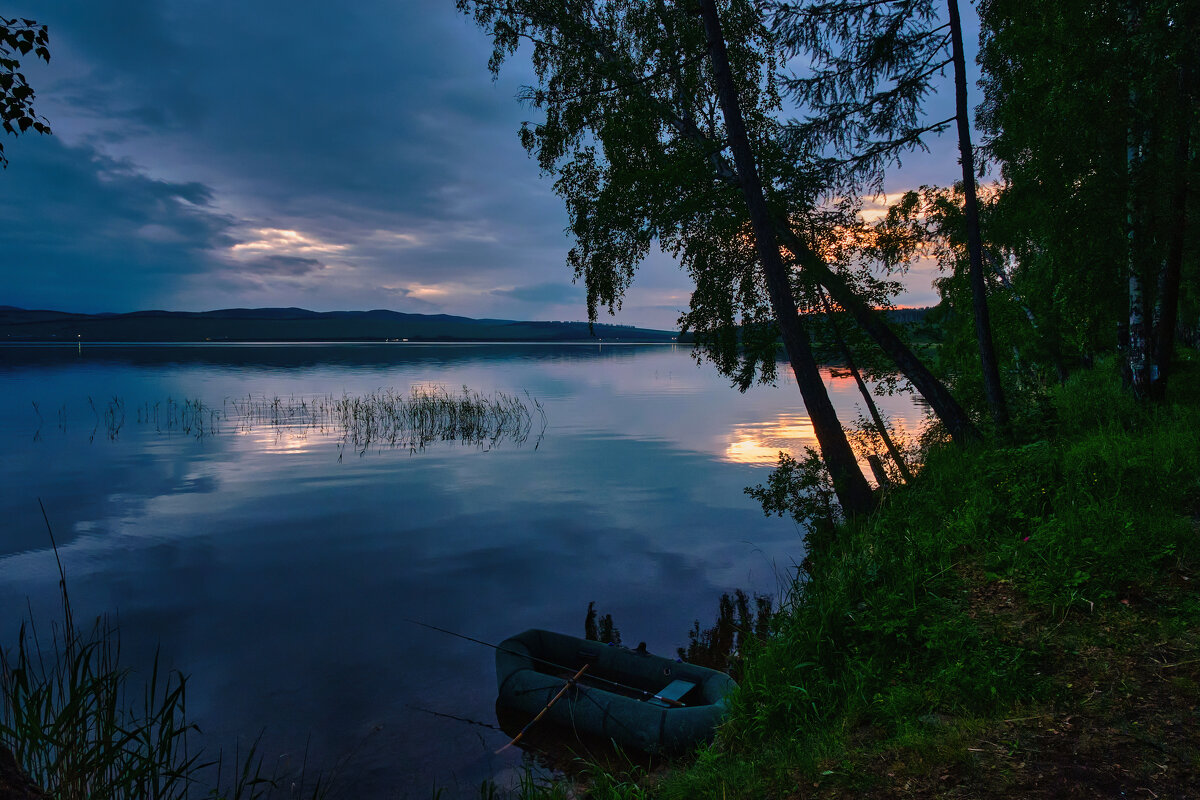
x=1020, y=621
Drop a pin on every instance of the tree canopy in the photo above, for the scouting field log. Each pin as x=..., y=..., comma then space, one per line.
x=1090, y=111
x=631, y=130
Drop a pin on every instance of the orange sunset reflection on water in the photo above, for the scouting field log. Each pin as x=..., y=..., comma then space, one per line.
x=760, y=442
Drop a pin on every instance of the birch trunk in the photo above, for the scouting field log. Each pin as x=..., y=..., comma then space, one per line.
x=872, y=409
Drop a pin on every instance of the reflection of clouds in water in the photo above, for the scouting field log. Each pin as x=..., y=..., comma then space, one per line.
x=285, y=439
x=271, y=571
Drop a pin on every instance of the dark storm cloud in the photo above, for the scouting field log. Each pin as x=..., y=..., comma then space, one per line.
x=94, y=233
x=376, y=129
x=381, y=112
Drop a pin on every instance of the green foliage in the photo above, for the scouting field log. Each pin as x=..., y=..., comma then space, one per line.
x=631, y=129
x=530, y=788
x=1068, y=87
x=868, y=68
x=70, y=723
x=929, y=223
x=801, y=489
x=20, y=37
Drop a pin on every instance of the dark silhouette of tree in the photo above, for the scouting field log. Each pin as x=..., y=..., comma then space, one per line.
x=635, y=133
x=852, y=489
x=870, y=67
x=18, y=38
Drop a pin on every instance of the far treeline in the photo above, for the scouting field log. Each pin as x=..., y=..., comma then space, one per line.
x=742, y=137
x=300, y=325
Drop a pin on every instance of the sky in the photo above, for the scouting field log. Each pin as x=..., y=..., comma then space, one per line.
x=211, y=154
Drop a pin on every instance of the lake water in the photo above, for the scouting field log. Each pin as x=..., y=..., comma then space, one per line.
x=277, y=567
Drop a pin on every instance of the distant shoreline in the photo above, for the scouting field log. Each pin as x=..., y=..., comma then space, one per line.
x=301, y=326
x=320, y=342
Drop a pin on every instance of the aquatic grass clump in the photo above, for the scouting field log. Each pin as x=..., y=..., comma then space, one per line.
x=82, y=729
x=392, y=419
x=430, y=414
x=385, y=418
x=73, y=724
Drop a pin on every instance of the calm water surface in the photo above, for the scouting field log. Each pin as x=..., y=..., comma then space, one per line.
x=277, y=569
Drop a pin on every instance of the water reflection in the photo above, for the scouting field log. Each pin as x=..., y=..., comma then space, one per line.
x=276, y=576
x=760, y=442
x=383, y=419
x=280, y=441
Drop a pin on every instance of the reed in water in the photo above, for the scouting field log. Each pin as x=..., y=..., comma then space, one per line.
x=385, y=418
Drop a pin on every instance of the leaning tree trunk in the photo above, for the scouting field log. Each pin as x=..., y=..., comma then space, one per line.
x=853, y=491
x=947, y=409
x=983, y=325
x=872, y=408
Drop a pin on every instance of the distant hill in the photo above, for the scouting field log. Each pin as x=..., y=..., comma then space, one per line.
x=298, y=325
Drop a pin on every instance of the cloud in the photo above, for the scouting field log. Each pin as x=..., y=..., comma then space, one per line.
x=87, y=232
x=544, y=293
x=279, y=241
x=291, y=266
x=217, y=154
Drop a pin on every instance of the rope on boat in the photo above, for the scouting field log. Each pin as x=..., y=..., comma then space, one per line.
x=645, y=695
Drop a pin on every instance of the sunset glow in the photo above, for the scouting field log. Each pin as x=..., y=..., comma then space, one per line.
x=278, y=241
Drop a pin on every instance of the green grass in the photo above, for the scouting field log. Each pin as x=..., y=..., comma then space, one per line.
x=383, y=419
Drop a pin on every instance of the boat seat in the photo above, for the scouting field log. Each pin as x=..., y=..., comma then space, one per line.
x=674, y=691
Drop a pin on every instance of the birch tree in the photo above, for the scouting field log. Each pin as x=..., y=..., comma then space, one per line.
x=1090, y=110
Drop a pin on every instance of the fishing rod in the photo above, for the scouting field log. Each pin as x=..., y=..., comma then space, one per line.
x=542, y=713
x=645, y=695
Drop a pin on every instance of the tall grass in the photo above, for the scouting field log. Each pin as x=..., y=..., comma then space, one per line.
x=80, y=731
